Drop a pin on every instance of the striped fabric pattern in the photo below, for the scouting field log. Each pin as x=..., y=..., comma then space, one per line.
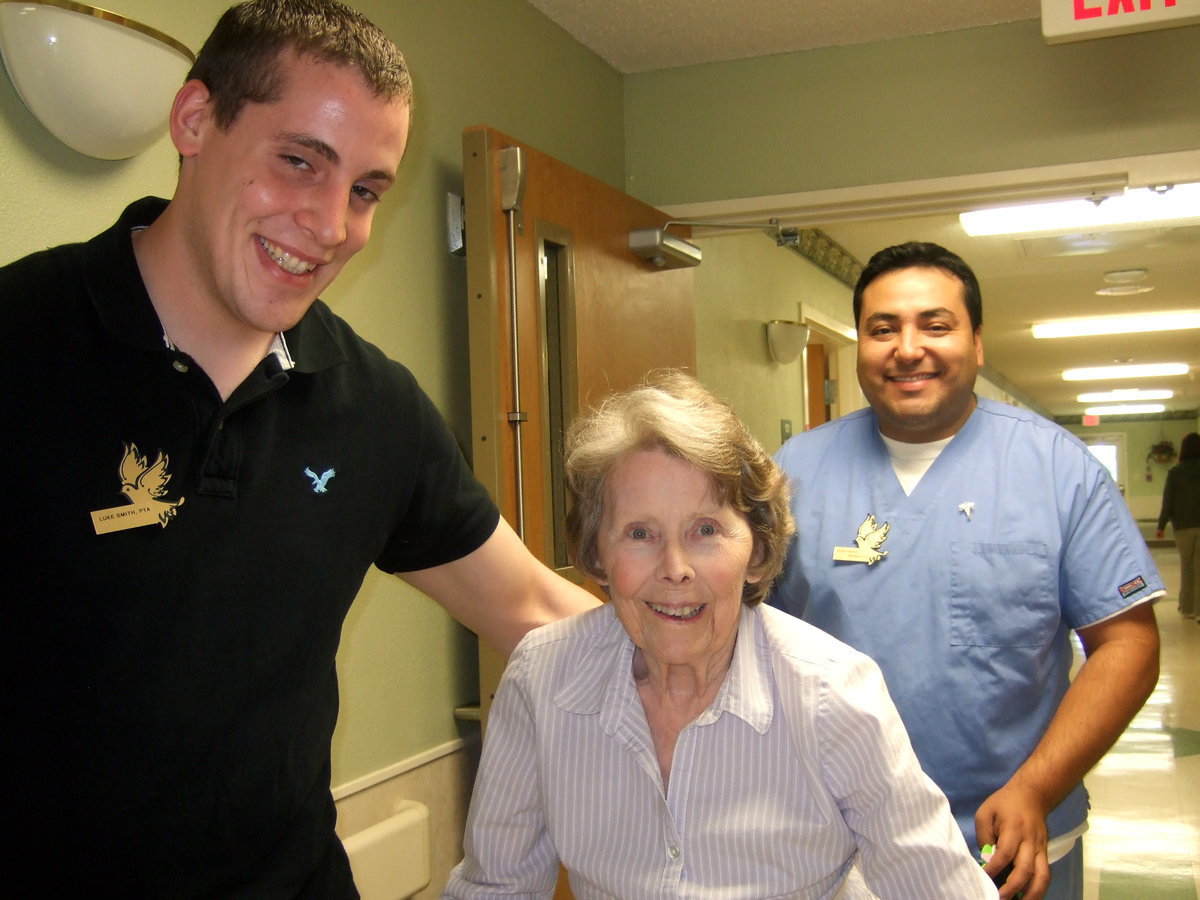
x=798, y=769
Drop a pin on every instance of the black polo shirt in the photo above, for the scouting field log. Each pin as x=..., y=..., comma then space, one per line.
x=175, y=690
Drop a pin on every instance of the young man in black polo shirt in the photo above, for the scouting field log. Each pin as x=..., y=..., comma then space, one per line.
x=206, y=461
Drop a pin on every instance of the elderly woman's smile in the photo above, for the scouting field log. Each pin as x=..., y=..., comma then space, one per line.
x=676, y=612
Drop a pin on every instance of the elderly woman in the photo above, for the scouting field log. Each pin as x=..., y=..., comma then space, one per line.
x=684, y=740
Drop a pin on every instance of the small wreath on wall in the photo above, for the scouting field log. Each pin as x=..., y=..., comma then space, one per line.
x=1162, y=452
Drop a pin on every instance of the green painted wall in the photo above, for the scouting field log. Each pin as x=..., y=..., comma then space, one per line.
x=1145, y=478
x=981, y=100
x=744, y=282
x=405, y=665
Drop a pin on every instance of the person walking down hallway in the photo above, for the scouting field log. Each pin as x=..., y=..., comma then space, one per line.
x=1181, y=508
x=958, y=542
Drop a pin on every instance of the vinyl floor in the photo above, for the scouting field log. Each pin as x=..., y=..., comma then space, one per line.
x=1144, y=839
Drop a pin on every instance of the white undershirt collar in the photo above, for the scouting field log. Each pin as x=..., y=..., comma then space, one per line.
x=910, y=462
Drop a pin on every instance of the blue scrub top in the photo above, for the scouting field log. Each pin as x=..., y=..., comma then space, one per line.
x=1015, y=536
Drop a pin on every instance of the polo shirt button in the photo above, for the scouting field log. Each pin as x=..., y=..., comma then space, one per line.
x=673, y=852
x=179, y=365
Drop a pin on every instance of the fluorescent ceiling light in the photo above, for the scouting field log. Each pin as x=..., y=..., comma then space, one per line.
x=1117, y=324
x=1124, y=395
x=1128, y=409
x=1149, y=370
x=1135, y=208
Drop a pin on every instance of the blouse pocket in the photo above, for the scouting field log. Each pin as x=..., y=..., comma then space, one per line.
x=1002, y=595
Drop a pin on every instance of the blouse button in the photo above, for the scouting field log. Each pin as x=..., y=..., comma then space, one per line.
x=179, y=365
x=673, y=852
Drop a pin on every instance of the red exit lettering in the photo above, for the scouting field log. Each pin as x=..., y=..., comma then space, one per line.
x=1083, y=11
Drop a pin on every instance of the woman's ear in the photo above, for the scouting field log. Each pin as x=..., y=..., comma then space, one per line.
x=191, y=114
x=758, y=558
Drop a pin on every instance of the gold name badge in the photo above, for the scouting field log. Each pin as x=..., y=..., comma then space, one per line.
x=120, y=518
x=858, y=555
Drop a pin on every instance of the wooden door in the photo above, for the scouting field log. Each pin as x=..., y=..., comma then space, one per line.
x=830, y=377
x=591, y=318
x=816, y=379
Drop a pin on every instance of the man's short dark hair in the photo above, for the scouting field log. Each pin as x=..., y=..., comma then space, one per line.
x=239, y=63
x=918, y=255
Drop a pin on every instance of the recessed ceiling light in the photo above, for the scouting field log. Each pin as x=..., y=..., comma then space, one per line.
x=1136, y=208
x=1178, y=321
x=1148, y=370
x=1127, y=409
x=1124, y=395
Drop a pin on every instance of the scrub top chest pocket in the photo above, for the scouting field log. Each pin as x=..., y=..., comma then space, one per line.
x=1002, y=595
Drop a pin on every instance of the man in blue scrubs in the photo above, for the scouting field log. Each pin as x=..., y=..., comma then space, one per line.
x=959, y=542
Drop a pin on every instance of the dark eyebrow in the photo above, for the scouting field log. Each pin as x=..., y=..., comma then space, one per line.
x=319, y=146
x=315, y=144
x=940, y=312
x=925, y=314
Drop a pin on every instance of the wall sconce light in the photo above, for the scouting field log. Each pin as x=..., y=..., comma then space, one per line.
x=786, y=340
x=99, y=82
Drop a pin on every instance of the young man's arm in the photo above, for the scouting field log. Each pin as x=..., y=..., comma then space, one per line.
x=500, y=591
x=1118, y=675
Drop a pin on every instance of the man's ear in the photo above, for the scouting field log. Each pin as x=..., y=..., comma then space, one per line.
x=191, y=114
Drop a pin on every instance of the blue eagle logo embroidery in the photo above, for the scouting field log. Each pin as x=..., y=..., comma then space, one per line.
x=320, y=481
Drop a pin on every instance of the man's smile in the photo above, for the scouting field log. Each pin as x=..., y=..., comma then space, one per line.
x=285, y=260
x=914, y=378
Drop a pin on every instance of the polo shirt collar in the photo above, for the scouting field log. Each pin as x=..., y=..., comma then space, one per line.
x=123, y=305
x=115, y=284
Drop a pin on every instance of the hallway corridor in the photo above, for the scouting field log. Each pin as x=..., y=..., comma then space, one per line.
x=1144, y=840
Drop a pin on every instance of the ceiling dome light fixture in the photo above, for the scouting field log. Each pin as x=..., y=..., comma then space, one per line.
x=99, y=82
x=1126, y=276
x=1124, y=290
x=1125, y=282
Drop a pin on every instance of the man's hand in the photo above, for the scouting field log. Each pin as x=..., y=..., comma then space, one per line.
x=1013, y=820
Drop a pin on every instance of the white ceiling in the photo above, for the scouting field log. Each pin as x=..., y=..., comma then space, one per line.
x=1020, y=284
x=643, y=35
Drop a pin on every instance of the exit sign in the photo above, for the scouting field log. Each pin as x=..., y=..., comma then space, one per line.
x=1078, y=20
